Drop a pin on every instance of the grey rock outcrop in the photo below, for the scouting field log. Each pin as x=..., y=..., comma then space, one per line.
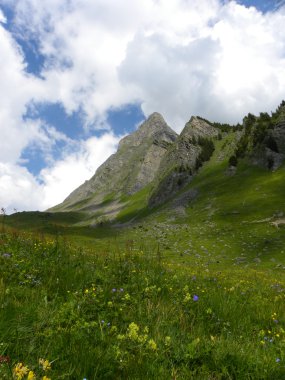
x=180, y=162
x=130, y=169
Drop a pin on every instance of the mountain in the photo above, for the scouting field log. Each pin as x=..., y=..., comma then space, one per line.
x=154, y=165
x=133, y=167
x=190, y=150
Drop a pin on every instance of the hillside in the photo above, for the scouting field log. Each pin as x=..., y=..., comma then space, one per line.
x=185, y=282
x=153, y=164
x=128, y=171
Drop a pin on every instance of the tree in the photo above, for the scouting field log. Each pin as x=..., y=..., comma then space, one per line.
x=233, y=161
x=3, y=213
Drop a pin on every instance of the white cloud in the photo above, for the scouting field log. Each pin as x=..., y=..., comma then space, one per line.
x=16, y=89
x=67, y=174
x=20, y=190
x=234, y=66
x=180, y=57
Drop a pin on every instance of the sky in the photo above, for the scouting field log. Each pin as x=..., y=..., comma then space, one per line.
x=78, y=75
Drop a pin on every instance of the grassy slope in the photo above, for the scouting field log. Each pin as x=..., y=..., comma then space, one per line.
x=221, y=250
x=129, y=314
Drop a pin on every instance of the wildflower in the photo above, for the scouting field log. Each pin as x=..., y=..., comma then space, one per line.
x=195, y=298
x=152, y=345
x=277, y=360
x=6, y=255
x=31, y=375
x=45, y=364
x=187, y=298
x=133, y=331
x=114, y=290
x=167, y=341
x=46, y=378
x=20, y=371
x=127, y=297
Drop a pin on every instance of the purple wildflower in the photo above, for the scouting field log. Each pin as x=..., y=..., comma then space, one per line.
x=195, y=298
x=6, y=255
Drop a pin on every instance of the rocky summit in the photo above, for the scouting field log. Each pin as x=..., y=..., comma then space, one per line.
x=134, y=166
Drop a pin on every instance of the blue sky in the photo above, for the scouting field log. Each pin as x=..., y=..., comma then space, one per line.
x=78, y=75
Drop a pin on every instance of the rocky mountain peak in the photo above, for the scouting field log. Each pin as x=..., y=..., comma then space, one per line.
x=197, y=126
x=130, y=169
x=153, y=126
x=154, y=123
x=155, y=117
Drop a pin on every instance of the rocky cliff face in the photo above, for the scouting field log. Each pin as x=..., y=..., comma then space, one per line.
x=181, y=160
x=130, y=169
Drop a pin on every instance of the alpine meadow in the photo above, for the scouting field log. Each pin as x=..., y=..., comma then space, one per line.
x=168, y=263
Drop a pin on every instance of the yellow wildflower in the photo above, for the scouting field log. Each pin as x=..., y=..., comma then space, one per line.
x=127, y=297
x=142, y=338
x=187, y=298
x=45, y=364
x=20, y=371
x=133, y=331
x=152, y=345
x=31, y=375
x=46, y=378
x=167, y=340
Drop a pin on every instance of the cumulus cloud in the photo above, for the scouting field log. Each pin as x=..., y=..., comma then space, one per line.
x=20, y=190
x=16, y=90
x=235, y=65
x=213, y=58
x=180, y=57
x=70, y=172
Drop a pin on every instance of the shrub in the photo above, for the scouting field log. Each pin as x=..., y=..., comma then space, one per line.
x=233, y=161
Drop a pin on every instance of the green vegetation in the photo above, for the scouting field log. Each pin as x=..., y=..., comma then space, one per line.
x=207, y=149
x=134, y=314
x=191, y=289
x=257, y=134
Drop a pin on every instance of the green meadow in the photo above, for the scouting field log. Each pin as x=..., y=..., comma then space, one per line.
x=196, y=292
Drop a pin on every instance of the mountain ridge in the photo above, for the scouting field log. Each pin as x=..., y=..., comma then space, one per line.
x=154, y=163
